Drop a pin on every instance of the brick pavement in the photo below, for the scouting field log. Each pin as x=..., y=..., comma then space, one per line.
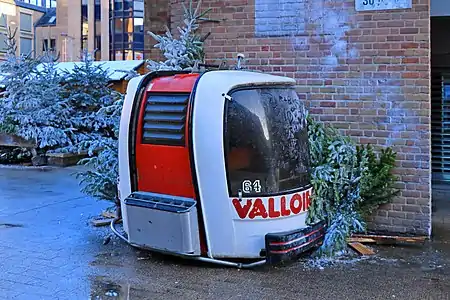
x=48, y=256
x=52, y=253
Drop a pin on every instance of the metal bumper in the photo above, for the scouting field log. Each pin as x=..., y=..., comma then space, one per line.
x=289, y=245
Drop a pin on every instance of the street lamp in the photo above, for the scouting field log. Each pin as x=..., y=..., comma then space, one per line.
x=65, y=47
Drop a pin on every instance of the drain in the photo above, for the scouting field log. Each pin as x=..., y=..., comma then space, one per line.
x=8, y=225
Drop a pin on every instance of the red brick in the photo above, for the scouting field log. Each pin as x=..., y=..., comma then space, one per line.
x=409, y=30
x=380, y=96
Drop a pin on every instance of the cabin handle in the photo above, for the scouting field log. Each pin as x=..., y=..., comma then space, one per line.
x=227, y=97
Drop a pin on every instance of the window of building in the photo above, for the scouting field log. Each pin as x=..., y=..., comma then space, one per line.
x=98, y=10
x=3, y=20
x=127, y=29
x=40, y=3
x=25, y=46
x=85, y=29
x=50, y=3
x=84, y=25
x=98, y=47
x=26, y=22
x=2, y=43
x=48, y=47
x=32, y=2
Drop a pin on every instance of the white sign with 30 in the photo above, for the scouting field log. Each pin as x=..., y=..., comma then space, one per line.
x=364, y=5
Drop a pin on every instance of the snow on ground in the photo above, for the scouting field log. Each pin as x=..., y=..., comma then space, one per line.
x=346, y=257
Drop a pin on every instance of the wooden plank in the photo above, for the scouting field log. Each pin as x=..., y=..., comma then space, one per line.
x=361, y=249
x=108, y=214
x=360, y=240
x=64, y=159
x=67, y=155
x=11, y=140
x=393, y=239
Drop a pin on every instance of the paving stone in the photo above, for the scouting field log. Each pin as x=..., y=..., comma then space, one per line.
x=10, y=294
x=68, y=261
x=37, y=260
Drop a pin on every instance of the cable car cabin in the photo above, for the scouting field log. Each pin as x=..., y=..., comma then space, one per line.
x=215, y=167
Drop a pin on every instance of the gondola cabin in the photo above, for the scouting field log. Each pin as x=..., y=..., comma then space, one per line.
x=215, y=166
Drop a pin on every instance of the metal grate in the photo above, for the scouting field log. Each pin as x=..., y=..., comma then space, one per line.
x=440, y=126
x=165, y=119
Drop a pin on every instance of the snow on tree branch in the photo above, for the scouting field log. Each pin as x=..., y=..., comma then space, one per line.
x=184, y=52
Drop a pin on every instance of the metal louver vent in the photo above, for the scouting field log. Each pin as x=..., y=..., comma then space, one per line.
x=440, y=126
x=165, y=119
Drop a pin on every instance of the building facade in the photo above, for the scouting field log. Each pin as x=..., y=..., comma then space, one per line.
x=127, y=30
x=111, y=29
x=362, y=68
x=21, y=16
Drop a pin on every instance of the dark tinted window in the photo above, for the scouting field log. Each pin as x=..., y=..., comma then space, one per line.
x=266, y=142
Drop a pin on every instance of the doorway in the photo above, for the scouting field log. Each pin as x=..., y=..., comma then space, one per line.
x=440, y=113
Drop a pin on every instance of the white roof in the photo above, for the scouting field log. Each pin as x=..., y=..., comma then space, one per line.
x=116, y=69
x=237, y=78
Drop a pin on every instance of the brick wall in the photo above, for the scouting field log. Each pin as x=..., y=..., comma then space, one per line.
x=366, y=73
x=156, y=16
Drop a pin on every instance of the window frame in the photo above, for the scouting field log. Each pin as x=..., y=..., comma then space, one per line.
x=117, y=11
x=3, y=47
x=31, y=45
x=5, y=18
x=226, y=146
x=21, y=22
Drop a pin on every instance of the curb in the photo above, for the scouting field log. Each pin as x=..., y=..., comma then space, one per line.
x=21, y=167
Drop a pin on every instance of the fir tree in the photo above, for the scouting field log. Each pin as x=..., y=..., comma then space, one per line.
x=88, y=85
x=182, y=53
x=87, y=90
x=348, y=182
x=95, y=108
x=32, y=105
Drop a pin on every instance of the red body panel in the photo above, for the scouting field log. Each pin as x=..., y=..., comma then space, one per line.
x=175, y=84
x=165, y=169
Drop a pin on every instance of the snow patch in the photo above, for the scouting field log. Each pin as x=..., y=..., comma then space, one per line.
x=117, y=70
x=345, y=258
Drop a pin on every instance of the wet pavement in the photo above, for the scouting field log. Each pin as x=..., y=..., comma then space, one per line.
x=48, y=250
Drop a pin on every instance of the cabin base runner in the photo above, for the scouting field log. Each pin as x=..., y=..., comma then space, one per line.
x=215, y=167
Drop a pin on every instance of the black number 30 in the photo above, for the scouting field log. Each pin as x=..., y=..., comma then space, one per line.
x=370, y=2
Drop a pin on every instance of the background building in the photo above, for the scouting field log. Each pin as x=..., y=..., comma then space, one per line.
x=112, y=29
x=127, y=30
x=22, y=15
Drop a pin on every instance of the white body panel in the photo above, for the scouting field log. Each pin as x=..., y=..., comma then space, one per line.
x=227, y=234
x=124, y=161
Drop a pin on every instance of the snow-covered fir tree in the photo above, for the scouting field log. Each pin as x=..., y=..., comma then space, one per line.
x=182, y=53
x=100, y=180
x=32, y=105
x=87, y=90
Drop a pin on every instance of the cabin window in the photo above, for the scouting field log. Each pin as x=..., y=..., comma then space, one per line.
x=266, y=142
